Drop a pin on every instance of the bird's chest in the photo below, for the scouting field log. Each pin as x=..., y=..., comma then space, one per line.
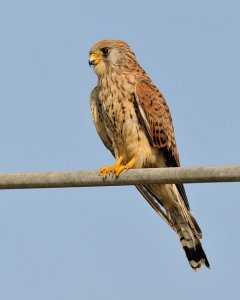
x=114, y=112
x=119, y=116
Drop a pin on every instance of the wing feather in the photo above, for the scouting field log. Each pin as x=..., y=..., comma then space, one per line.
x=158, y=123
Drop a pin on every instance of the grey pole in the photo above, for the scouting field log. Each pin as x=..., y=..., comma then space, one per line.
x=131, y=177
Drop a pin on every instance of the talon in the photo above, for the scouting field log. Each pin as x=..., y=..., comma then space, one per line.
x=107, y=171
x=104, y=171
x=117, y=169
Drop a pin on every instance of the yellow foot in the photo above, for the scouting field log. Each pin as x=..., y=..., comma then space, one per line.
x=117, y=169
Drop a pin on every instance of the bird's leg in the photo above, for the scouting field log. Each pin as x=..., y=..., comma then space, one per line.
x=117, y=168
x=128, y=166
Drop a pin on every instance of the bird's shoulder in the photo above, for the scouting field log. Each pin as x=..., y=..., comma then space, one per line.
x=94, y=92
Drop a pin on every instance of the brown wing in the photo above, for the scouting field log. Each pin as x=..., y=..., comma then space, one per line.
x=157, y=117
x=158, y=123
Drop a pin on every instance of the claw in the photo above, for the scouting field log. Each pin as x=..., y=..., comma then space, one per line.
x=107, y=171
x=117, y=168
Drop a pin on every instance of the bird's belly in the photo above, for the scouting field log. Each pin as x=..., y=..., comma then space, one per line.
x=129, y=139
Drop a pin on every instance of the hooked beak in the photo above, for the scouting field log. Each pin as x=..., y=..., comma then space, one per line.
x=94, y=59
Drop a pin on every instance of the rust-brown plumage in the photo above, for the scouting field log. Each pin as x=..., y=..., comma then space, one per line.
x=134, y=122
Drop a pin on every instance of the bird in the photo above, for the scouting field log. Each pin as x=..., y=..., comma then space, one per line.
x=134, y=122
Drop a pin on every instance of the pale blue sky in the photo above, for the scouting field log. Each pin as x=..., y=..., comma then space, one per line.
x=107, y=243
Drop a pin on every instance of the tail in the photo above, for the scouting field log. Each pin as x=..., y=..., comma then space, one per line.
x=190, y=240
x=181, y=220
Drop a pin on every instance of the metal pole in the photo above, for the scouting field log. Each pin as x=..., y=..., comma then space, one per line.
x=131, y=177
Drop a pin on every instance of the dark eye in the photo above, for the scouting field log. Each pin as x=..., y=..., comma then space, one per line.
x=105, y=51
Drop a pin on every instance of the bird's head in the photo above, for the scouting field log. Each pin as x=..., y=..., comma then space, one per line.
x=110, y=54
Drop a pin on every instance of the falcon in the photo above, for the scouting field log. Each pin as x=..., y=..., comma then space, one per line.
x=133, y=120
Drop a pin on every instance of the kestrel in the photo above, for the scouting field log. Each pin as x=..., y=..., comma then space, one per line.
x=134, y=122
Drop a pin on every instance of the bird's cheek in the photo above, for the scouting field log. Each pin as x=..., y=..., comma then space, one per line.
x=100, y=68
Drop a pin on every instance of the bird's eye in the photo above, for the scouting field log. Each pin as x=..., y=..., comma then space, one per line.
x=105, y=51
